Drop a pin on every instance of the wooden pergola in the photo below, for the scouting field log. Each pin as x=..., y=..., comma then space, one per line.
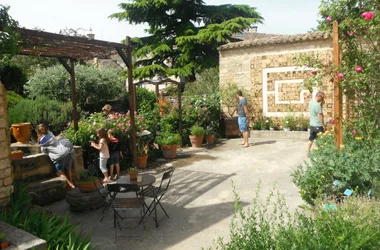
x=68, y=50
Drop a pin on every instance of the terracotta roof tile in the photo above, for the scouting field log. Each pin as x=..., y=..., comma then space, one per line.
x=260, y=39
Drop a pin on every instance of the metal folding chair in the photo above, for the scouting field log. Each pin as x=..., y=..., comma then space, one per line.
x=156, y=193
x=121, y=204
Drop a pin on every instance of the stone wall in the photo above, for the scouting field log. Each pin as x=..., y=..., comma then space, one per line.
x=269, y=74
x=6, y=179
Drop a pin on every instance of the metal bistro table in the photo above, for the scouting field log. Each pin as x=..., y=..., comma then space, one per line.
x=147, y=179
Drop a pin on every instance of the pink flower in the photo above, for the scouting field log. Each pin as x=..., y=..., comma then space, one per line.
x=314, y=72
x=358, y=69
x=68, y=124
x=331, y=121
x=307, y=65
x=368, y=15
x=340, y=76
x=328, y=19
x=351, y=33
x=354, y=132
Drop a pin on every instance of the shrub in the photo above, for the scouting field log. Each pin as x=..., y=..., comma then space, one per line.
x=56, y=114
x=207, y=83
x=352, y=225
x=168, y=139
x=228, y=98
x=289, y=122
x=13, y=98
x=145, y=99
x=355, y=166
x=92, y=84
x=55, y=230
x=197, y=131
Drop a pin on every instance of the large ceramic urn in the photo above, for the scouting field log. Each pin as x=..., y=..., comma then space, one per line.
x=21, y=132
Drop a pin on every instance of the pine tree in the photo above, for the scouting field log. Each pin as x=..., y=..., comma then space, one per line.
x=183, y=34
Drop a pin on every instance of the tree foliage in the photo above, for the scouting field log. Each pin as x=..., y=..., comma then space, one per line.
x=207, y=83
x=8, y=37
x=92, y=84
x=183, y=35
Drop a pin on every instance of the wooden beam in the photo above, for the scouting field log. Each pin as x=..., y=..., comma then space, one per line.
x=127, y=59
x=25, y=33
x=338, y=133
x=157, y=92
x=180, y=113
x=71, y=70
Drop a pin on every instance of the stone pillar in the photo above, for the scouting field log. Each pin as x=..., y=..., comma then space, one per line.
x=6, y=178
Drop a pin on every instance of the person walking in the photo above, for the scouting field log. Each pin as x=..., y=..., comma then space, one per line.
x=316, y=117
x=243, y=118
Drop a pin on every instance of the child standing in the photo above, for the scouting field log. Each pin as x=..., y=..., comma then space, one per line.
x=115, y=154
x=103, y=152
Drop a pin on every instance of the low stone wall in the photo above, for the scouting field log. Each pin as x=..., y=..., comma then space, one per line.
x=39, y=166
x=5, y=166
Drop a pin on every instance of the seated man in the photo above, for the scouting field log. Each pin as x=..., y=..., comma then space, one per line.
x=58, y=153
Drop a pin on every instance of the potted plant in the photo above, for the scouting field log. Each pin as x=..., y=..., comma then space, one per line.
x=210, y=133
x=3, y=242
x=196, y=136
x=288, y=123
x=268, y=123
x=142, y=146
x=133, y=172
x=304, y=124
x=16, y=155
x=85, y=182
x=257, y=125
x=169, y=143
x=230, y=103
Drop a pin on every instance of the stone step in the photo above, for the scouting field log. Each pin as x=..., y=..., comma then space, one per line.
x=19, y=239
x=297, y=135
x=47, y=191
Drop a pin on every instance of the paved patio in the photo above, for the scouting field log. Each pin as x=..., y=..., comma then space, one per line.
x=200, y=202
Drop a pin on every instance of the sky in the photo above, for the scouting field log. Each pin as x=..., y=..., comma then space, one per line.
x=281, y=16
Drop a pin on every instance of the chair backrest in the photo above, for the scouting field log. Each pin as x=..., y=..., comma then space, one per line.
x=166, y=178
x=126, y=188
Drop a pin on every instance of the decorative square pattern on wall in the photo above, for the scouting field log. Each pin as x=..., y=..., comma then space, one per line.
x=277, y=85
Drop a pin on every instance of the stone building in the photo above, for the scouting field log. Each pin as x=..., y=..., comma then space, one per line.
x=6, y=178
x=263, y=65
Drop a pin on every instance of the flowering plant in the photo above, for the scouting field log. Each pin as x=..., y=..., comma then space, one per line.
x=165, y=139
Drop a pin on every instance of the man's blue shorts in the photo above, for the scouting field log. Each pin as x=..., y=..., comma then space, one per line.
x=242, y=124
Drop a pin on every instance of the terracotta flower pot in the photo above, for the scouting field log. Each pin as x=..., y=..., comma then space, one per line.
x=170, y=151
x=133, y=175
x=21, y=131
x=4, y=245
x=210, y=139
x=16, y=155
x=87, y=186
x=141, y=161
x=196, y=140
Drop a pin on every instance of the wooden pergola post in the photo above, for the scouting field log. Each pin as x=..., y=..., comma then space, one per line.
x=180, y=111
x=71, y=70
x=157, y=92
x=338, y=138
x=127, y=59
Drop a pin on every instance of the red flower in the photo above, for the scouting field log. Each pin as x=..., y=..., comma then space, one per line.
x=368, y=15
x=340, y=76
x=358, y=69
x=314, y=72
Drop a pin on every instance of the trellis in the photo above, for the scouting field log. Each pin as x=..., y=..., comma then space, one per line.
x=70, y=49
